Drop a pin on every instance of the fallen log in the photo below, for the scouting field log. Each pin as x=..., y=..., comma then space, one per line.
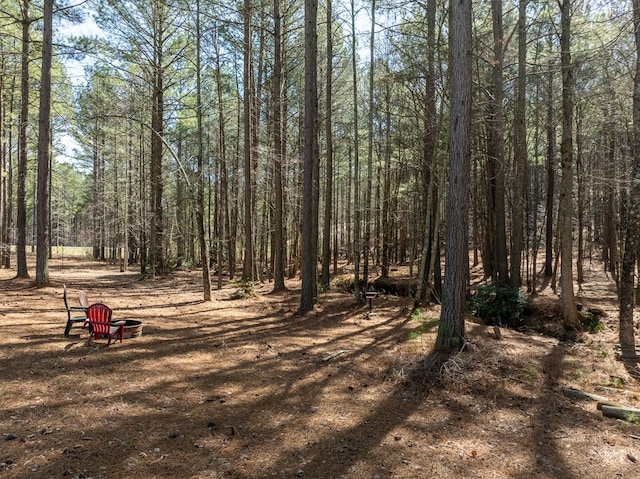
x=577, y=394
x=607, y=403
x=625, y=413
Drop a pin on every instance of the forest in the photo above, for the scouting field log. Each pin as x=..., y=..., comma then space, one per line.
x=358, y=239
x=261, y=140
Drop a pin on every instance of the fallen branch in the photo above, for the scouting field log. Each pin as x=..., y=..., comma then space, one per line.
x=577, y=394
x=617, y=390
x=334, y=355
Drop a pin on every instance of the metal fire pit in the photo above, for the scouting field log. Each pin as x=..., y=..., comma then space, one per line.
x=132, y=328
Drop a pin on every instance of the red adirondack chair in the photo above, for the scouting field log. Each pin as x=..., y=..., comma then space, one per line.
x=100, y=323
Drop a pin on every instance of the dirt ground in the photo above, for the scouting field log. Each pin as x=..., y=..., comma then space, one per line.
x=247, y=388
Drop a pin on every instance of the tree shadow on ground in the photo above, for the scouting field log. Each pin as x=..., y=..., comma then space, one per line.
x=249, y=389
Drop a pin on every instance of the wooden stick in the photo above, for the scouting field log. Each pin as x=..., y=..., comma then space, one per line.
x=334, y=355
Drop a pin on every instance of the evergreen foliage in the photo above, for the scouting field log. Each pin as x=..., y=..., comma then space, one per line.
x=499, y=304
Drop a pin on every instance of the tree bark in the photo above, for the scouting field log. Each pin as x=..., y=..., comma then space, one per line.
x=6, y=163
x=387, y=217
x=310, y=141
x=496, y=150
x=223, y=208
x=610, y=248
x=451, y=330
x=44, y=149
x=569, y=311
x=551, y=174
x=247, y=271
x=157, y=261
x=278, y=213
x=429, y=175
x=328, y=192
x=628, y=279
x=356, y=160
x=520, y=152
x=8, y=189
x=204, y=252
x=580, y=177
x=21, y=213
x=367, y=197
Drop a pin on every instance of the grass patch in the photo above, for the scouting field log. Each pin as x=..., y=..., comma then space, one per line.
x=426, y=324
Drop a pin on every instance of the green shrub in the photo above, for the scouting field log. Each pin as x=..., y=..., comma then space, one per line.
x=243, y=290
x=499, y=304
x=590, y=321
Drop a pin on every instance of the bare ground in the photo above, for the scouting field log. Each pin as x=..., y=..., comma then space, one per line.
x=247, y=388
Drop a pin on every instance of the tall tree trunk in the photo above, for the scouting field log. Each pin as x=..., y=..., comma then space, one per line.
x=130, y=220
x=5, y=163
x=551, y=174
x=157, y=260
x=349, y=204
x=429, y=177
x=21, y=218
x=204, y=252
x=4, y=129
x=256, y=84
x=181, y=207
x=247, y=271
x=627, y=280
x=223, y=209
x=580, y=177
x=367, y=197
x=569, y=311
x=451, y=330
x=520, y=151
x=278, y=210
x=496, y=150
x=142, y=192
x=425, y=260
x=387, y=225
x=328, y=192
x=310, y=141
x=7, y=178
x=44, y=148
x=610, y=249
x=356, y=161
x=475, y=213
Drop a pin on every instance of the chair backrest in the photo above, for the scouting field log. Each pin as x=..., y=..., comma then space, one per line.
x=64, y=296
x=84, y=300
x=100, y=318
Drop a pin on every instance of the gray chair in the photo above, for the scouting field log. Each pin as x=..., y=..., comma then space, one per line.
x=75, y=314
